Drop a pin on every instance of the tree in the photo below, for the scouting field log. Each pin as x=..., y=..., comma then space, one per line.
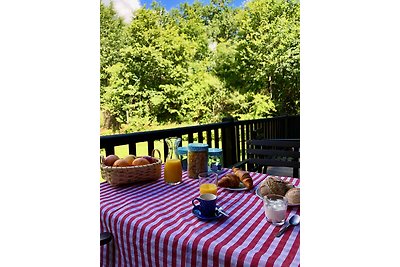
x=268, y=52
x=199, y=63
x=111, y=41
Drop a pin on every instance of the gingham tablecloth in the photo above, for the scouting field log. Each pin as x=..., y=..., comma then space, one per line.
x=153, y=225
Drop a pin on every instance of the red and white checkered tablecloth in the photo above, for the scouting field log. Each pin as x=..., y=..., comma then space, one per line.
x=153, y=225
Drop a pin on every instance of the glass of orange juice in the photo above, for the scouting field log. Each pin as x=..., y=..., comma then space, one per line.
x=208, y=183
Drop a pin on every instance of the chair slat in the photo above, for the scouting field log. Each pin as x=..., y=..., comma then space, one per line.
x=275, y=163
x=285, y=153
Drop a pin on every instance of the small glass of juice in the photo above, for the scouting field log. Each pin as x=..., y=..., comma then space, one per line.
x=208, y=183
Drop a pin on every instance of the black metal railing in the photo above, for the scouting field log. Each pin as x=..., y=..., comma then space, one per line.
x=230, y=133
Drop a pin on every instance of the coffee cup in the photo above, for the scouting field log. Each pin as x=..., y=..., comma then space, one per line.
x=208, y=204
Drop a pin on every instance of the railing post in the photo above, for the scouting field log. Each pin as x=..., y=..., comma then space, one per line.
x=109, y=150
x=229, y=143
x=286, y=127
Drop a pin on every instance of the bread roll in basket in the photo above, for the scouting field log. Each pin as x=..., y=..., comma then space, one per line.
x=275, y=185
x=293, y=196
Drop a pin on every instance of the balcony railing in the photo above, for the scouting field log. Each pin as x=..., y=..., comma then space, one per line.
x=230, y=133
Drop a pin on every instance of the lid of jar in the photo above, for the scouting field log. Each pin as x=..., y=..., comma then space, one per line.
x=215, y=151
x=197, y=147
x=182, y=150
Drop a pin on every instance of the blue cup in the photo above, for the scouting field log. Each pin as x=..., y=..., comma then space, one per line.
x=208, y=204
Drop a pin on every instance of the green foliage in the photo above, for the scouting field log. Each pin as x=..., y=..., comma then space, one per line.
x=111, y=39
x=268, y=51
x=199, y=63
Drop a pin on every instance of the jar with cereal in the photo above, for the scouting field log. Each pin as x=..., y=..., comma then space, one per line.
x=197, y=159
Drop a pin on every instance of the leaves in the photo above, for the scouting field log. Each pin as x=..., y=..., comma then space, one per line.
x=199, y=63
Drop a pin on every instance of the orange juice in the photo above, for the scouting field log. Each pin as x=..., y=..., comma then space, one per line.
x=208, y=188
x=173, y=171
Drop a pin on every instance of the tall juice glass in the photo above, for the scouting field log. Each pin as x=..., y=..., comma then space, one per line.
x=208, y=183
x=173, y=166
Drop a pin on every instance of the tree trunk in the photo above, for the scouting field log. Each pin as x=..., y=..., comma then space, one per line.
x=110, y=122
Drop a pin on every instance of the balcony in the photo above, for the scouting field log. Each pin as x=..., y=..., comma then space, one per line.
x=230, y=135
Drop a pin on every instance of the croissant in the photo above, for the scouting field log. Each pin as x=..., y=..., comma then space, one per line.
x=229, y=180
x=244, y=177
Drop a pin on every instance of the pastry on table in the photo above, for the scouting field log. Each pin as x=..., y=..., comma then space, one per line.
x=232, y=180
x=229, y=180
x=244, y=177
x=293, y=196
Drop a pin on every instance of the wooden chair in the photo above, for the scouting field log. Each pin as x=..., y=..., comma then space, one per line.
x=265, y=153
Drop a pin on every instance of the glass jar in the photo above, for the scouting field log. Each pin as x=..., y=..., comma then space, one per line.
x=182, y=153
x=197, y=159
x=173, y=167
x=215, y=159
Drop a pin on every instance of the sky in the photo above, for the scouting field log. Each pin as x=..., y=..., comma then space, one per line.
x=125, y=7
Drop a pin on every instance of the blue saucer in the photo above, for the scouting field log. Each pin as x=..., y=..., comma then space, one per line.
x=196, y=211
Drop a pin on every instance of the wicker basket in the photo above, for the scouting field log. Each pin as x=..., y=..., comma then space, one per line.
x=132, y=174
